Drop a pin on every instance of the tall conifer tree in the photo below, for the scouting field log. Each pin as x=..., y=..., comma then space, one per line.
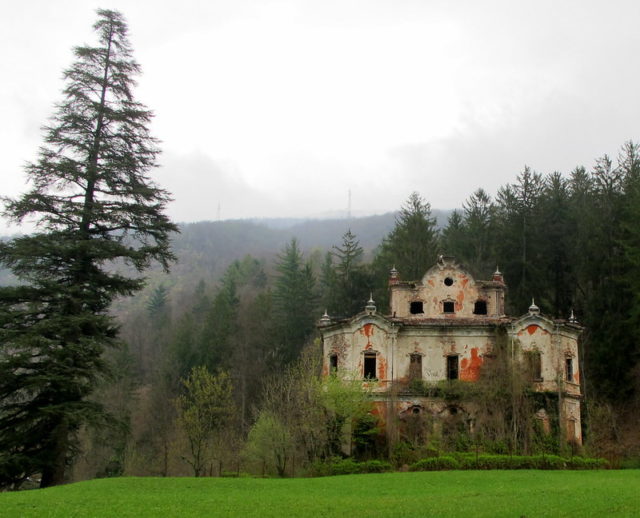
x=352, y=282
x=411, y=246
x=294, y=302
x=94, y=203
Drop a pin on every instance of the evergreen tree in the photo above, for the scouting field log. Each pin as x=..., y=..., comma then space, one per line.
x=630, y=163
x=518, y=209
x=454, y=238
x=478, y=226
x=327, y=282
x=157, y=307
x=217, y=339
x=411, y=246
x=610, y=352
x=351, y=282
x=294, y=303
x=94, y=203
x=555, y=257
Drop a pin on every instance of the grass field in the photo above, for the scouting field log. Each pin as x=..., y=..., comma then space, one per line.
x=450, y=493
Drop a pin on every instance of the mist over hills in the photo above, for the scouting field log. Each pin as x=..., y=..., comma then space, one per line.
x=213, y=245
x=205, y=249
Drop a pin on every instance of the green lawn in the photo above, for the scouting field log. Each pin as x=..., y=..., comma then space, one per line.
x=450, y=493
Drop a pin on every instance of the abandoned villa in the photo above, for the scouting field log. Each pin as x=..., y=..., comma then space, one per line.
x=446, y=326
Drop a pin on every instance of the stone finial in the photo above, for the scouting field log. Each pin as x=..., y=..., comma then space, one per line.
x=371, y=305
x=497, y=275
x=572, y=318
x=533, y=309
x=326, y=319
x=394, y=276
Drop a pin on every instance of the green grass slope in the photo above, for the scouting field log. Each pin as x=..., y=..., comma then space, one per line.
x=452, y=493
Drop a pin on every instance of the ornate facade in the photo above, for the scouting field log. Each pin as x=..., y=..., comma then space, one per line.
x=447, y=327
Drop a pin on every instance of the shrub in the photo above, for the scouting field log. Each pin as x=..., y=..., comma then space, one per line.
x=435, y=464
x=375, y=466
x=337, y=466
x=487, y=461
x=586, y=463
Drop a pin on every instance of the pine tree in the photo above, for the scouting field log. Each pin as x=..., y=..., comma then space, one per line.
x=294, y=303
x=217, y=338
x=411, y=246
x=327, y=282
x=559, y=227
x=157, y=305
x=454, y=238
x=478, y=226
x=352, y=284
x=517, y=207
x=94, y=203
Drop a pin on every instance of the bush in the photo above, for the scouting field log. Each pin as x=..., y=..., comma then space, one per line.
x=337, y=466
x=435, y=464
x=628, y=463
x=586, y=463
x=486, y=461
x=375, y=466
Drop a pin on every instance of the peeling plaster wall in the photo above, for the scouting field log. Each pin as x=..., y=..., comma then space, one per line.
x=447, y=282
x=571, y=412
x=434, y=344
x=555, y=345
x=352, y=342
x=435, y=336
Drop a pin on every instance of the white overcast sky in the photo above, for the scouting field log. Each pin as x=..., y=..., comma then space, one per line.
x=279, y=108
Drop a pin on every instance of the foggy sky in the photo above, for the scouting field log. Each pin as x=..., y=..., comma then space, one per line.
x=278, y=108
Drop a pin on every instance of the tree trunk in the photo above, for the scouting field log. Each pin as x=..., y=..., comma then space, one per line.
x=53, y=471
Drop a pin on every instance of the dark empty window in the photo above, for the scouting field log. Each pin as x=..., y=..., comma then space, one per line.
x=452, y=367
x=370, y=366
x=416, y=308
x=333, y=362
x=534, y=365
x=569, y=368
x=480, y=307
x=448, y=307
x=448, y=281
x=415, y=367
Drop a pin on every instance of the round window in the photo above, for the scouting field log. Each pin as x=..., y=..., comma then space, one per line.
x=448, y=281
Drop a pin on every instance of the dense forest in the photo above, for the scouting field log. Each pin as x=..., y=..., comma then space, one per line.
x=569, y=241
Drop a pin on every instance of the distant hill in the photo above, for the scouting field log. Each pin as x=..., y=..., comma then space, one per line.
x=213, y=245
x=205, y=249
